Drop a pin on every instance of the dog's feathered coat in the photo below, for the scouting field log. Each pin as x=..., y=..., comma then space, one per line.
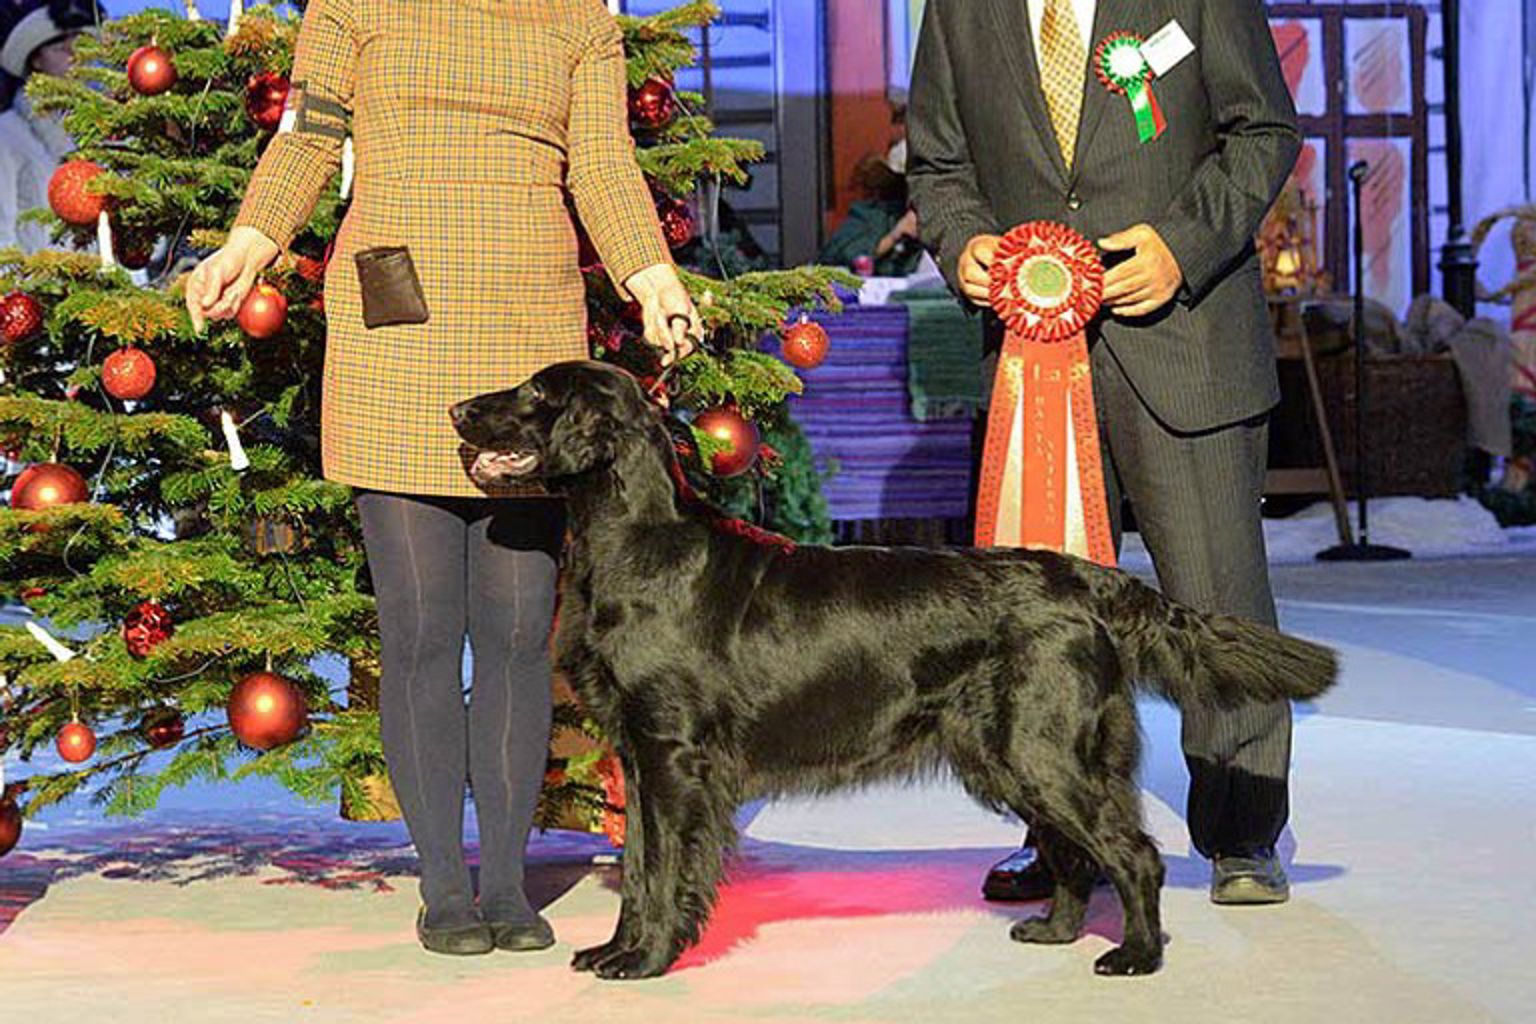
x=724, y=670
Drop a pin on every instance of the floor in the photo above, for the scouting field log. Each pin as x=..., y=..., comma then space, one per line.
x=1414, y=809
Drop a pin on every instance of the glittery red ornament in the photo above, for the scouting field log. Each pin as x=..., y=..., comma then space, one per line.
x=76, y=742
x=47, y=485
x=805, y=344
x=263, y=312
x=135, y=250
x=145, y=627
x=20, y=317
x=739, y=435
x=676, y=222
x=266, y=711
x=32, y=593
x=128, y=374
x=68, y=197
x=265, y=96
x=150, y=71
x=653, y=104
x=10, y=825
x=163, y=727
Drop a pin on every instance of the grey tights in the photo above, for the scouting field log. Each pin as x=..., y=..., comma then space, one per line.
x=443, y=568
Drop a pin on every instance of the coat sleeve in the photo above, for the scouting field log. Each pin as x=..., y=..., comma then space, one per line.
x=304, y=155
x=951, y=209
x=1214, y=218
x=611, y=195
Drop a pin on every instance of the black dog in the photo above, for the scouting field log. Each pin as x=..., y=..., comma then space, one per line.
x=724, y=669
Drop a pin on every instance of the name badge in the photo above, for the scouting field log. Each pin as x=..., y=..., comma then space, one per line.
x=1168, y=46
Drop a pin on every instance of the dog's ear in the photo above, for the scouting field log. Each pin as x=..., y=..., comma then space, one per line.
x=603, y=417
x=582, y=437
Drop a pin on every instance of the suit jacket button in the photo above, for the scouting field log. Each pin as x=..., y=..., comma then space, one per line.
x=1074, y=202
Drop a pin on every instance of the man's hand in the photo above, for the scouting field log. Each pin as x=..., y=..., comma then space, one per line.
x=976, y=268
x=1147, y=281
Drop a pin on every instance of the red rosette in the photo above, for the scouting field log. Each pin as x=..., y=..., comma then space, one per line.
x=1047, y=281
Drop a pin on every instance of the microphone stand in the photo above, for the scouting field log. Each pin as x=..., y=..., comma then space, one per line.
x=1362, y=550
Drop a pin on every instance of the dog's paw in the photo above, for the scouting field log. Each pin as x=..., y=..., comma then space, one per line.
x=632, y=964
x=587, y=959
x=1042, y=931
x=1128, y=961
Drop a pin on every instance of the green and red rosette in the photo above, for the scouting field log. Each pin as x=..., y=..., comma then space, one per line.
x=1119, y=64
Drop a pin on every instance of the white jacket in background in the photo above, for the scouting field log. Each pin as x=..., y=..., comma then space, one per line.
x=31, y=147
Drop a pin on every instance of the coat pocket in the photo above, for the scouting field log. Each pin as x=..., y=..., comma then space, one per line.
x=390, y=289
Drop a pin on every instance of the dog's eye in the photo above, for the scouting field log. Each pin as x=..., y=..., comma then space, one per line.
x=534, y=390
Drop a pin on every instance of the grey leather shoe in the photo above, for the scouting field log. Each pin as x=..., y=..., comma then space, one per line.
x=1237, y=881
x=522, y=936
x=460, y=940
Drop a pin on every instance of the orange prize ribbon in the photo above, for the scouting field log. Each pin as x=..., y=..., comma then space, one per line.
x=1042, y=475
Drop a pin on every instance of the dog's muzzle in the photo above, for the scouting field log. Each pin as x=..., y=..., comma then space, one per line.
x=492, y=466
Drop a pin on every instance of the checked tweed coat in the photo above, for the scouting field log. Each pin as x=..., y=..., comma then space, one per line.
x=473, y=121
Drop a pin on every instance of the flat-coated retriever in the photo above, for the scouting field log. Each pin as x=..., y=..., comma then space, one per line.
x=724, y=669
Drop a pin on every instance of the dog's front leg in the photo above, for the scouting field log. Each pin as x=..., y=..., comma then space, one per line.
x=687, y=827
x=632, y=890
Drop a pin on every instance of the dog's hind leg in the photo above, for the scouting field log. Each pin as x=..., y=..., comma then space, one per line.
x=1074, y=873
x=1101, y=817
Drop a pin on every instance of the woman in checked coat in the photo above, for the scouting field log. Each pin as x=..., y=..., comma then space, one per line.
x=455, y=273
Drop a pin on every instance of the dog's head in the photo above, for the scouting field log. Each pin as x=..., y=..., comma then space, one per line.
x=568, y=419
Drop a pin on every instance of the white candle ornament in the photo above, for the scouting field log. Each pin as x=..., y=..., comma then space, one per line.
x=193, y=14
x=348, y=166
x=104, y=241
x=236, y=9
x=55, y=648
x=237, y=458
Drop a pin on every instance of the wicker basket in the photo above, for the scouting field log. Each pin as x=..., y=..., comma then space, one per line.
x=1416, y=422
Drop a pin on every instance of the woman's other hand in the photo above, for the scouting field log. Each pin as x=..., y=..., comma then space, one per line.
x=671, y=321
x=218, y=285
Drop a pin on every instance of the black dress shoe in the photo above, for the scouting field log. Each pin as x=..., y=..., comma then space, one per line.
x=458, y=940
x=522, y=936
x=1020, y=876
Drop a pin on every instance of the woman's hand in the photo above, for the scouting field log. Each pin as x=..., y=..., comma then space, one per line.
x=904, y=228
x=218, y=285
x=671, y=322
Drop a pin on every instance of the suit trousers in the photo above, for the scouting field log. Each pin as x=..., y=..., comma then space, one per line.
x=1196, y=498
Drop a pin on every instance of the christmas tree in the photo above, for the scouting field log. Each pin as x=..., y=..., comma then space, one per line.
x=169, y=523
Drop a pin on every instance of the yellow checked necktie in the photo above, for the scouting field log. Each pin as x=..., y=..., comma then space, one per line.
x=1063, y=65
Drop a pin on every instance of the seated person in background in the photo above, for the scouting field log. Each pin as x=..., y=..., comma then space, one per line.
x=882, y=227
x=36, y=37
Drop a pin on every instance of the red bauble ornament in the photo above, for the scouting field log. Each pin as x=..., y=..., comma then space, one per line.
x=725, y=424
x=805, y=344
x=263, y=312
x=20, y=317
x=68, y=197
x=32, y=593
x=47, y=485
x=10, y=825
x=266, y=711
x=135, y=250
x=163, y=727
x=265, y=96
x=76, y=742
x=676, y=222
x=128, y=374
x=150, y=71
x=145, y=627
x=653, y=104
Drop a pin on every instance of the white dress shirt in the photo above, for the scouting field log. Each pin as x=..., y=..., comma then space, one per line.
x=1084, y=9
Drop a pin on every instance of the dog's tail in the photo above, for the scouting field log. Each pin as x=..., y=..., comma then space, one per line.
x=1191, y=658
